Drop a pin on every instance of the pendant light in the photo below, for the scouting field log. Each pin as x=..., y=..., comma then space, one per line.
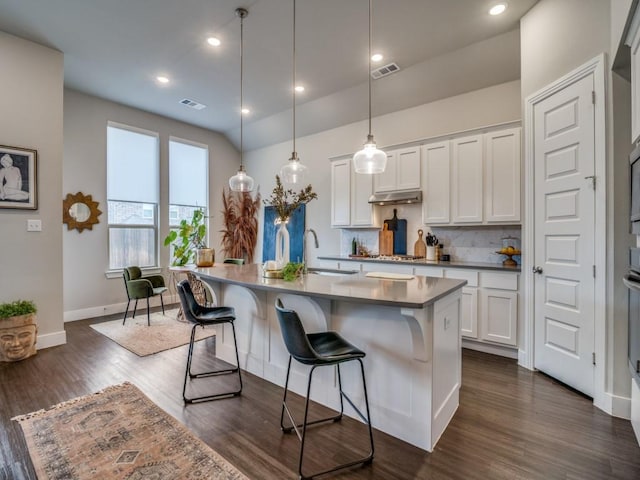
x=241, y=182
x=293, y=171
x=370, y=159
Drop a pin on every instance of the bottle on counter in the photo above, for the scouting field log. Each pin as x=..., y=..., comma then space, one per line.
x=439, y=252
x=354, y=246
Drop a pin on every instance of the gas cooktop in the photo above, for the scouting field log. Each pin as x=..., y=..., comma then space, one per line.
x=396, y=258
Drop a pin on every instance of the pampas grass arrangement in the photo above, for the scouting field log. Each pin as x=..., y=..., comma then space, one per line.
x=240, y=217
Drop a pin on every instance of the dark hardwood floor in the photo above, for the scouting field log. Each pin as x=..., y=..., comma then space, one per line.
x=511, y=424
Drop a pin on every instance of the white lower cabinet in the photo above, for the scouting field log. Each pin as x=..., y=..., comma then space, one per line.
x=469, y=314
x=499, y=316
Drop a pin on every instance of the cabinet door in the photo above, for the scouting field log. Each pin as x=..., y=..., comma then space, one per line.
x=386, y=181
x=361, y=209
x=469, y=313
x=436, y=178
x=634, y=43
x=502, y=176
x=499, y=316
x=408, y=168
x=466, y=185
x=340, y=192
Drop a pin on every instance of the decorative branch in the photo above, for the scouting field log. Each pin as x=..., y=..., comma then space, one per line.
x=240, y=217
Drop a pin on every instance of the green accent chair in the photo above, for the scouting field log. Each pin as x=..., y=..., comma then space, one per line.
x=139, y=287
x=237, y=261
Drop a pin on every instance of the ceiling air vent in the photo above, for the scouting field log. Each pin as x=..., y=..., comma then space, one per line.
x=384, y=71
x=192, y=104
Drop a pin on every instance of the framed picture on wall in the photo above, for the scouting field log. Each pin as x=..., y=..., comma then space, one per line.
x=18, y=177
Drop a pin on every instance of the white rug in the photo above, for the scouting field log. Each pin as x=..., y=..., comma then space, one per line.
x=164, y=333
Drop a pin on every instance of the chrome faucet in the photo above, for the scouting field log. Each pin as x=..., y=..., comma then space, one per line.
x=304, y=246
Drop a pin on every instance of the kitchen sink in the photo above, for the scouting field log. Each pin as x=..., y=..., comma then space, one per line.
x=330, y=272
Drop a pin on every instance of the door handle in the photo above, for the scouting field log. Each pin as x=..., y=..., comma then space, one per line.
x=536, y=269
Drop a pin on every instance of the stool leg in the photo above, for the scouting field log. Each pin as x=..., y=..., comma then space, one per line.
x=304, y=423
x=225, y=371
x=284, y=402
x=148, y=314
x=366, y=403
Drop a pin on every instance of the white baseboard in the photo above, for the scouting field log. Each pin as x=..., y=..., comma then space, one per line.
x=51, y=339
x=635, y=408
x=523, y=360
x=92, y=312
x=488, y=348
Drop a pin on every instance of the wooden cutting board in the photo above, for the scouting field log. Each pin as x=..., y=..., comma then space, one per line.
x=399, y=228
x=420, y=248
x=385, y=241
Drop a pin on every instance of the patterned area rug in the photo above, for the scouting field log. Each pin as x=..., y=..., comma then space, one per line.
x=164, y=333
x=118, y=433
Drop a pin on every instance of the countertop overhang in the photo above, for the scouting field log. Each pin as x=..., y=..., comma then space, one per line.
x=421, y=262
x=418, y=292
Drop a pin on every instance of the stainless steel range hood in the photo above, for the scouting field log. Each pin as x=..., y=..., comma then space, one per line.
x=396, y=198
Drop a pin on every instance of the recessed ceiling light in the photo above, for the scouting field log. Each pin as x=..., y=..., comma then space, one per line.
x=498, y=8
x=213, y=41
x=376, y=57
x=299, y=88
x=162, y=79
x=245, y=111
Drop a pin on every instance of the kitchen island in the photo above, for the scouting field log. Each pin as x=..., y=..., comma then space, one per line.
x=409, y=328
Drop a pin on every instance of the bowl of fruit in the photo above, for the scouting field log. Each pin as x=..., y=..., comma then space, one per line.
x=510, y=252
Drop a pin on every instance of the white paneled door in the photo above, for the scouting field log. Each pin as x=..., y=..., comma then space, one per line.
x=564, y=192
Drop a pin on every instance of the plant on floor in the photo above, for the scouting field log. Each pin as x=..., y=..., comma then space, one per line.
x=17, y=308
x=190, y=235
x=240, y=217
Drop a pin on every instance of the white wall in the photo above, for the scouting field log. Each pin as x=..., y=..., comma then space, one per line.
x=31, y=117
x=488, y=106
x=87, y=292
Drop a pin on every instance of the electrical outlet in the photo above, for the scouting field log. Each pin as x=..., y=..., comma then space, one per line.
x=34, y=225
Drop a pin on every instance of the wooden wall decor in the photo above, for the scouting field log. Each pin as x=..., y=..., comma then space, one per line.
x=79, y=211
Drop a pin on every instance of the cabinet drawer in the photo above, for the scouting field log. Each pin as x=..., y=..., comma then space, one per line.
x=469, y=275
x=504, y=281
x=387, y=267
x=429, y=271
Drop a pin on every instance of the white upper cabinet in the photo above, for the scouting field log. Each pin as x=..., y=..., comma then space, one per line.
x=502, y=176
x=466, y=184
x=633, y=41
x=402, y=171
x=473, y=180
x=341, y=193
x=350, y=194
x=435, y=178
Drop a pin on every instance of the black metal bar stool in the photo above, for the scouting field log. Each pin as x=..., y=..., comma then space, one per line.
x=201, y=316
x=316, y=350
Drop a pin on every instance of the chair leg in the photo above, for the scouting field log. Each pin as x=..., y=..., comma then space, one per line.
x=135, y=307
x=148, y=314
x=296, y=426
x=162, y=303
x=226, y=371
x=126, y=310
x=305, y=423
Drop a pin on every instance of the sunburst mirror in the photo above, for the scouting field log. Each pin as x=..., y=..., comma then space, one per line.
x=79, y=211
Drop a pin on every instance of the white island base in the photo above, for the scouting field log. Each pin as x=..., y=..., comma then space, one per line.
x=412, y=367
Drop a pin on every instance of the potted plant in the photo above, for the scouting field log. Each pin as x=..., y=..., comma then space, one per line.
x=18, y=330
x=189, y=242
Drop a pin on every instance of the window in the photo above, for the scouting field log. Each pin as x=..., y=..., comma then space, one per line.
x=188, y=180
x=132, y=196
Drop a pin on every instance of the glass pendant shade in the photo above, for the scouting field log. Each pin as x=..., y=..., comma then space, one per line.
x=293, y=172
x=241, y=182
x=370, y=159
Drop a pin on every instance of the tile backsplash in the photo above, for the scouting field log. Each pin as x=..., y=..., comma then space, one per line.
x=473, y=243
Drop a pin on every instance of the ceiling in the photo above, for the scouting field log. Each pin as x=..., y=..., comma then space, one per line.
x=114, y=49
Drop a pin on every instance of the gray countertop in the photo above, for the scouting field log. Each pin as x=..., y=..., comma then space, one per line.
x=418, y=292
x=425, y=263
